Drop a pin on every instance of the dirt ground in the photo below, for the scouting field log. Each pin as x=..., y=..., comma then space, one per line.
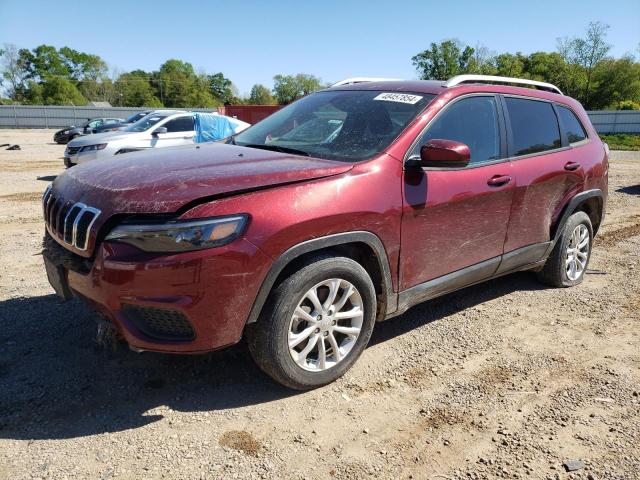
x=508, y=379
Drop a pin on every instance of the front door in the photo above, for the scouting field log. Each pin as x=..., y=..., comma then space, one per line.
x=457, y=218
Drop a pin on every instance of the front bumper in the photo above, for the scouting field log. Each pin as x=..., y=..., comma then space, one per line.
x=203, y=296
x=61, y=138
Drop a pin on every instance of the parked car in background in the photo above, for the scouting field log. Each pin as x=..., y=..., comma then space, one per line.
x=69, y=133
x=109, y=127
x=159, y=129
x=302, y=238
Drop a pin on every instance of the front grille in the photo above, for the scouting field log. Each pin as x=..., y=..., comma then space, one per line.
x=73, y=150
x=68, y=221
x=159, y=323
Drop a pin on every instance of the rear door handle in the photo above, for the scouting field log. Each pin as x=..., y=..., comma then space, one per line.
x=498, y=180
x=571, y=166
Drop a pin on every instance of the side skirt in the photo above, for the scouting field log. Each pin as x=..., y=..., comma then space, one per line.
x=525, y=258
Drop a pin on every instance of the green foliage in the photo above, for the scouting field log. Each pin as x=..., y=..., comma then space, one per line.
x=222, y=88
x=59, y=91
x=622, y=141
x=580, y=67
x=444, y=60
x=133, y=89
x=261, y=95
x=617, y=84
x=178, y=85
x=629, y=105
x=288, y=88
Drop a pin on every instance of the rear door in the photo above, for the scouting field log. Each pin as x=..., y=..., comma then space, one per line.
x=547, y=173
x=457, y=218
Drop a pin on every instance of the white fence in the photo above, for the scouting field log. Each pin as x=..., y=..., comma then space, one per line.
x=32, y=116
x=615, y=121
x=27, y=116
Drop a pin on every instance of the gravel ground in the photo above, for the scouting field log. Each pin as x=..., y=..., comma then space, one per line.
x=508, y=379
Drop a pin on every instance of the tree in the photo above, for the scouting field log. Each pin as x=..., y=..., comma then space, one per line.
x=60, y=91
x=510, y=64
x=618, y=82
x=308, y=83
x=261, y=95
x=133, y=89
x=444, y=60
x=14, y=71
x=45, y=61
x=179, y=86
x=285, y=89
x=547, y=67
x=586, y=53
x=288, y=88
x=83, y=66
x=222, y=88
x=482, y=61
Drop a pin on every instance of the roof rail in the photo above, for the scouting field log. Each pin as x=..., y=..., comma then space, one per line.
x=349, y=81
x=459, y=79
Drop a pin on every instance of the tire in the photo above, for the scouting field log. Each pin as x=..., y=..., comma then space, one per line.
x=556, y=271
x=281, y=322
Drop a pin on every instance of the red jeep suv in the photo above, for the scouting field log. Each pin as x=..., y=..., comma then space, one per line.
x=343, y=209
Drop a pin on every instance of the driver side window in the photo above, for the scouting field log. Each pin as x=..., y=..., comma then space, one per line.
x=472, y=121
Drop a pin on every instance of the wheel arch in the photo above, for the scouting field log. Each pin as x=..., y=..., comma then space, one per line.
x=364, y=247
x=590, y=202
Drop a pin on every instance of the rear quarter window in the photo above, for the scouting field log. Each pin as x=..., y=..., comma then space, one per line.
x=534, y=126
x=571, y=126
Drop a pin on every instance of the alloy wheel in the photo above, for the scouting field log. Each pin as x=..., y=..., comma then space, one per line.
x=577, y=252
x=325, y=325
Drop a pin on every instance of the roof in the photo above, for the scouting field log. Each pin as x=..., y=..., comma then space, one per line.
x=418, y=86
x=438, y=87
x=167, y=111
x=99, y=104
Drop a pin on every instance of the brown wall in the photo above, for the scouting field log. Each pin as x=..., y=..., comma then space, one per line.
x=248, y=113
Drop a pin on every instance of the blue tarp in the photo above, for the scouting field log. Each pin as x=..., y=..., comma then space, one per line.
x=210, y=127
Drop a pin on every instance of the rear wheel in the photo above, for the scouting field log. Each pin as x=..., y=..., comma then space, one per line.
x=568, y=261
x=316, y=324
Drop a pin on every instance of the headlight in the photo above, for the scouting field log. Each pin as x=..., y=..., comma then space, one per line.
x=92, y=148
x=181, y=236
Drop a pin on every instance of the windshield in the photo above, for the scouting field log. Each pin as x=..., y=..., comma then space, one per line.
x=145, y=123
x=349, y=125
x=135, y=117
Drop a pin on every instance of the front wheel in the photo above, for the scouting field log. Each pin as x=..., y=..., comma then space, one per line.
x=568, y=261
x=316, y=324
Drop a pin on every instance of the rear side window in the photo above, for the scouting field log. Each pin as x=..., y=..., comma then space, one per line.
x=572, y=127
x=472, y=121
x=534, y=126
x=181, y=124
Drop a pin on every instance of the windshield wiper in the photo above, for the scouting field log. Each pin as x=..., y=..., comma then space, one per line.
x=277, y=148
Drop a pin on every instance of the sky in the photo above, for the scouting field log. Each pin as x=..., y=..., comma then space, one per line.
x=250, y=41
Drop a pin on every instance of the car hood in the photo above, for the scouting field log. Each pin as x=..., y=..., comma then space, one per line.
x=164, y=180
x=70, y=129
x=100, y=138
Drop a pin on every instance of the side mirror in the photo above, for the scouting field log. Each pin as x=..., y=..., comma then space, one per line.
x=444, y=154
x=158, y=131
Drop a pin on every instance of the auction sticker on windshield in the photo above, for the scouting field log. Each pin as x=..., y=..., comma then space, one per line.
x=399, y=97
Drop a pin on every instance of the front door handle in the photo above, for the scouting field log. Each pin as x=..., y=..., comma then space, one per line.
x=571, y=166
x=498, y=180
